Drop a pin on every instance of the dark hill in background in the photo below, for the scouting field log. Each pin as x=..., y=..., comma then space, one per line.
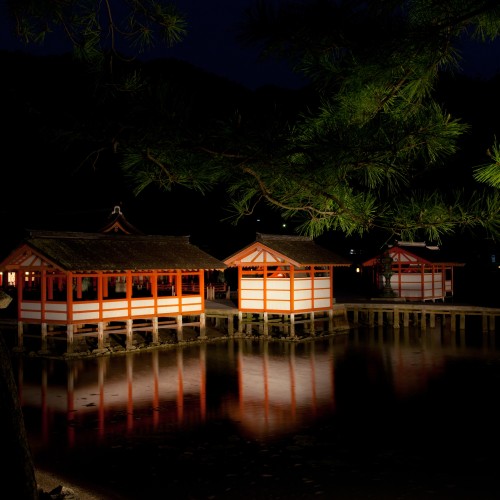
x=55, y=114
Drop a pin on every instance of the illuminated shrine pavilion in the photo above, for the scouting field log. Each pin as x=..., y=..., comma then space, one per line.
x=285, y=275
x=106, y=281
x=413, y=271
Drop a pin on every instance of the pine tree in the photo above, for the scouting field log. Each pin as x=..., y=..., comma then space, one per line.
x=372, y=146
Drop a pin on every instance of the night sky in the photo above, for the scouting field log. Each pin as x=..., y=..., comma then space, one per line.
x=211, y=45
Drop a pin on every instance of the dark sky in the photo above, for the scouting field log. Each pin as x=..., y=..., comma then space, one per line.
x=211, y=45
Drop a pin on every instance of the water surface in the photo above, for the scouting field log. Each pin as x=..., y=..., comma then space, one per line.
x=373, y=413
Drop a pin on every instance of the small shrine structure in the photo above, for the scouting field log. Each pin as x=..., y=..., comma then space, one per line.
x=91, y=283
x=413, y=271
x=285, y=276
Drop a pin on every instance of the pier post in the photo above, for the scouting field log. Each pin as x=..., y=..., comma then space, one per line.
x=100, y=335
x=44, y=348
x=453, y=326
x=248, y=327
x=406, y=319
x=203, y=326
x=69, y=338
x=180, y=337
x=20, y=336
x=129, y=334
x=292, y=325
x=240, y=322
x=395, y=318
x=462, y=321
x=432, y=320
x=485, y=322
x=155, y=330
x=230, y=325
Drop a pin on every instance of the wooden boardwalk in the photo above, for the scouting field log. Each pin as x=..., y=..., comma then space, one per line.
x=222, y=318
x=423, y=314
x=227, y=317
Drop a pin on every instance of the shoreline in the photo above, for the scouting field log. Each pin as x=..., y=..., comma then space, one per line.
x=48, y=481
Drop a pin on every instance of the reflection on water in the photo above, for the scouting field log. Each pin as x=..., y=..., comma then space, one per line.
x=264, y=388
x=336, y=393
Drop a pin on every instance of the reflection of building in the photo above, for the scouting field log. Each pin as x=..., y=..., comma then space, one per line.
x=86, y=281
x=165, y=390
x=122, y=394
x=278, y=394
x=413, y=271
x=285, y=275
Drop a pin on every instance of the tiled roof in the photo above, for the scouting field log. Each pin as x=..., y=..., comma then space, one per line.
x=106, y=252
x=300, y=249
x=431, y=254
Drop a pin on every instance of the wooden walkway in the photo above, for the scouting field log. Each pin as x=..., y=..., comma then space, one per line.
x=399, y=314
x=226, y=316
x=222, y=318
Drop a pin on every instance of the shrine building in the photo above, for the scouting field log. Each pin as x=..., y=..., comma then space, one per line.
x=413, y=271
x=282, y=275
x=81, y=282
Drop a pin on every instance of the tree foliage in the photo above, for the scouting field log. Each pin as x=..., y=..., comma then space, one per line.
x=366, y=153
x=99, y=31
x=370, y=149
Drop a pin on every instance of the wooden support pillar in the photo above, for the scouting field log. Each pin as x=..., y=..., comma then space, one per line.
x=100, y=335
x=415, y=318
x=44, y=347
x=453, y=323
x=330, y=320
x=154, y=332
x=484, y=322
x=292, y=325
x=423, y=320
x=432, y=320
x=129, y=334
x=371, y=318
x=20, y=335
x=395, y=318
x=356, y=316
x=203, y=326
x=492, y=323
x=266, y=324
x=180, y=336
x=230, y=325
x=240, y=322
x=406, y=319
x=311, y=317
x=380, y=318
x=390, y=318
x=70, y=337
x=462, y=321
